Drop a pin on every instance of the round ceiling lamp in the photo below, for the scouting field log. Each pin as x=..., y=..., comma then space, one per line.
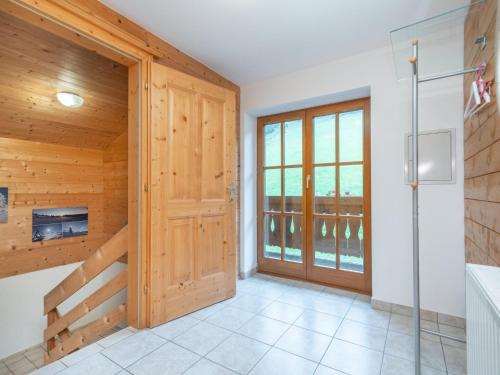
x=69, y=99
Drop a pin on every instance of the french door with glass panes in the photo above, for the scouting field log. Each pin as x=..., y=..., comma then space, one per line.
x=314, y=194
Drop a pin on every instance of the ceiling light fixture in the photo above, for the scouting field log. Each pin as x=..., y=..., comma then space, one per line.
x=69, y=99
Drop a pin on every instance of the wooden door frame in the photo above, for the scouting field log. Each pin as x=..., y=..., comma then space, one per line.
x=343, y=279
x=69, y=22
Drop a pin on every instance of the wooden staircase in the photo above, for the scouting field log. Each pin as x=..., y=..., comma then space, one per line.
x=60, y=341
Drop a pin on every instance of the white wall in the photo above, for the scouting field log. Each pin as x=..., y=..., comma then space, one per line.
x=442, y=211
x=21, y=304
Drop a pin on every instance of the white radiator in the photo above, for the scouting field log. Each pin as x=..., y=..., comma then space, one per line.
x=483, y=320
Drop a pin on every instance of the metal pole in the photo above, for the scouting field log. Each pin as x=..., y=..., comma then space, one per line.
x=414, y=185
x=454, y=338
x=451, y=74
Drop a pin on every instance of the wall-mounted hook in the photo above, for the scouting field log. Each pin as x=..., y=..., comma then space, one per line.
x=481, y=40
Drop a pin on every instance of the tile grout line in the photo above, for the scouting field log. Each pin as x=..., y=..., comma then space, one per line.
x=236, y=332
x=279, y=338
x=270, y=346
x=333, y=337
x=444, y=356
x=232, y=333
x=282, y=290
x=145, y=355
x=351, y=303
x=29, y=360
x=385, y=343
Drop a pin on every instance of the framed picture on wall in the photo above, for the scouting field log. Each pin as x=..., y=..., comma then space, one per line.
x=4, y=205
x=56, y=223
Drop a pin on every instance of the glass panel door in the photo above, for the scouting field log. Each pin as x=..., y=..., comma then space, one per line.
x=282, y=223
x=338, y=195
x=314, y=194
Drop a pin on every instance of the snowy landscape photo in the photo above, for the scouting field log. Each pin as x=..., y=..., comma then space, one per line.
x=57, y=223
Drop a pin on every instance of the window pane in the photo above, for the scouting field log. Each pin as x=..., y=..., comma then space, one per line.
x=272, y=189
x=324, y=190
x=293, y=142
x=324, y=139
x=351, y=190
x=272, y=236
x=272, y=145
x=351, y=243
x=293, y=189
x=293, y=238
x=351, y=136
x=325, y=232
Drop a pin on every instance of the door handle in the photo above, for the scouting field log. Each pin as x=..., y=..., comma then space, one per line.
x=232, y=189
x=308, y=180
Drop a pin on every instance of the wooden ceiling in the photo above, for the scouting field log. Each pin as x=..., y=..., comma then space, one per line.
x=34, y=66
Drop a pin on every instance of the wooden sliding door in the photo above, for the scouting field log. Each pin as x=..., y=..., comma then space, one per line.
x=314, y=194
x=193, y=194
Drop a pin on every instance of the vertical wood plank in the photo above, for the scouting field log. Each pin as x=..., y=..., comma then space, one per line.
x=482, y=148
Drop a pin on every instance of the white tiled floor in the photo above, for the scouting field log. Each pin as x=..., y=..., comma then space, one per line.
x=272, y=327
x=31, y=359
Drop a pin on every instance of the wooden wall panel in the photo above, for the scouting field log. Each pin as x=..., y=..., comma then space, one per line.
x=35, y=65
x=46, y=175
x=115, y=186
x=482, y=149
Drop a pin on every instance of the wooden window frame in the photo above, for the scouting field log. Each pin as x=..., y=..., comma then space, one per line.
x=306, y=270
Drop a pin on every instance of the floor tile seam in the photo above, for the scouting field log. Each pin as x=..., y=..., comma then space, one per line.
x=444, y=355
x=385, y=344
x=139, y=359
x=333, y=337
x=192, y=365
x=412, y=361
x=174, y=337
x=260, y=359
x=19, y=360
x=306, y=308
x=367, y=324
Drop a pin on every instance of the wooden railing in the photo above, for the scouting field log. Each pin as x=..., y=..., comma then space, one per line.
x=60, y=341
x=323, y=230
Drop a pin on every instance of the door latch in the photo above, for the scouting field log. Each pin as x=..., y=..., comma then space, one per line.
x=233, y=190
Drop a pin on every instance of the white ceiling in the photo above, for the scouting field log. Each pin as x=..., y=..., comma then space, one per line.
x=251, y=40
